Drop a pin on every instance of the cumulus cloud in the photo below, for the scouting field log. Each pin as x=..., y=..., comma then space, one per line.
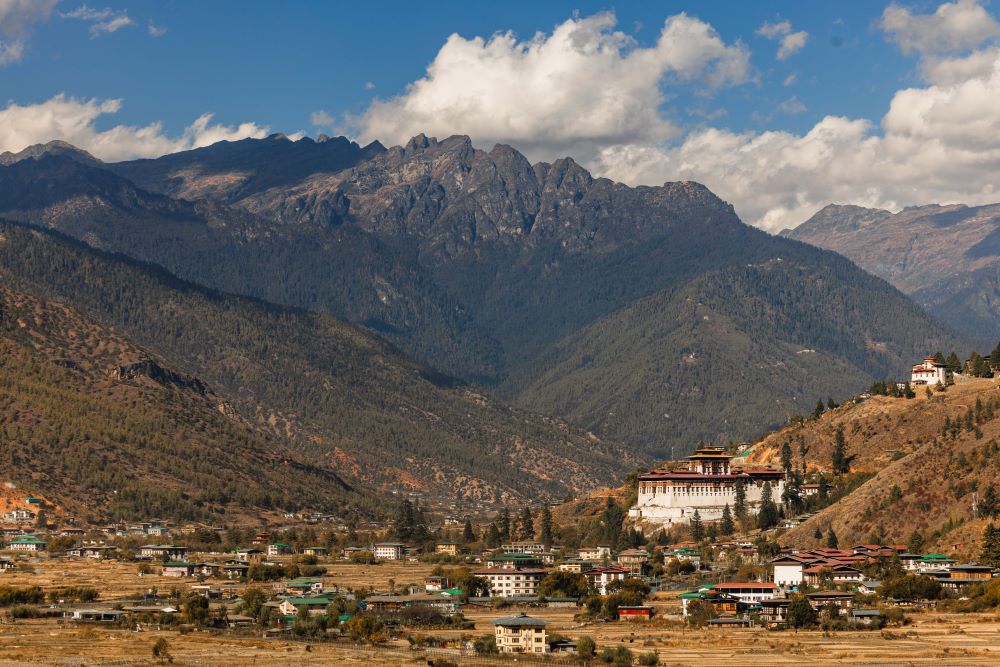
x=321, y=118
x=102, y=21
x=954, y=26
x=16, y=20
x=74, y=120
x=939, y=143
x=789, y=41
x=585, y=85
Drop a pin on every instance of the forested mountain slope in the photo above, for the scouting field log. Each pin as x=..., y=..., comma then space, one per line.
x=927, y=458
x=946, y=257
x=488, y=268
x=339, y=395
x=105, y=431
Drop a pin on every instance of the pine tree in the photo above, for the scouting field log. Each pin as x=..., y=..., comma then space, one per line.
x=991, y=546
x=989, y=504
x=726, y=526
x=505, y=527
x=697, y=529
x=612, y=519
x=493, y=537
x=818, y=410
x=916, y=542
x=468, y=535
x=546, y=536
x=830, y=404
x=831, y=539
x=740, y=503
x=995, y=359
x=818, y=534
x=840, y=463
x=527, y=525
x=786, y=458
x=953, y=363
x=767, y=516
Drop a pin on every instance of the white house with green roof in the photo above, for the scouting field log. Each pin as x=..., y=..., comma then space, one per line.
x=27, y=543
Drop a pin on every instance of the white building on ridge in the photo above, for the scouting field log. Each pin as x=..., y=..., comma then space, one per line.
x=929, y=372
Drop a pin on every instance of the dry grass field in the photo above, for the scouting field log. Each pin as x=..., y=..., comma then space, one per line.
x=931, y=638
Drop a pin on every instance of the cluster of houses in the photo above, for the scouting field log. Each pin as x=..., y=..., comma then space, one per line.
x=837, y=572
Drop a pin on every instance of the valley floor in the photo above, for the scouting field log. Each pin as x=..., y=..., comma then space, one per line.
x=931, y=638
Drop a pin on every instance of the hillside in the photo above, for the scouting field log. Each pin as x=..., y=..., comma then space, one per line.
x=104, y=431
x=787, y=331
x=336, y=394
x=900, y=442
x=946, y=257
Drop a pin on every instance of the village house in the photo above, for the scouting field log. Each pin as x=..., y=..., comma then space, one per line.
x=600, y=578
x=97, y=552
x=250, y=555
x=931, y=562
x=6, y=564
x=774, y=613
x=788, y=570
x=434, y=583
x=28, y=543
x=520, y=634
x=315, y=551
x=163, y=551
x=278, y=549
x=835, y=573
x=389, y=551
x=506, y=582
x=302, y=586
x=635, y=560
x=594, y=554
x=445, y=604
x=708, y=483
x=523, y=548
x=178, y=568
x=449, y=548
x=19, y=515
x=930, y=372
x=514, y=559
x=315, y=605
x=235, y=569
x=575, y=565
x=841, y=601
x=639, y=613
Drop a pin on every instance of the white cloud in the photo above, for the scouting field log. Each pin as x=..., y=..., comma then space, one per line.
x=102, y=21
x=369, y=85
x=939, y=143
x=790, y=79
x=954, y=26
x=583, y=86
x=16, y=19
x=789, y=41
x=74, y=121
x=155, y=30
x=11, y=52
x=792, y=105
x=321, y=118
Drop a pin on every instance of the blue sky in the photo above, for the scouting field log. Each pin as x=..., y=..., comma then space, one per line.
x=779, y=107
x=276, y=63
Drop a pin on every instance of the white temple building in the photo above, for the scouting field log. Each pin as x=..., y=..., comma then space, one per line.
x=708, y=483
x=929, y=372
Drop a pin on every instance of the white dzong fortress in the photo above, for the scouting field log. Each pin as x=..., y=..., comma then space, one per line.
x=708, y=483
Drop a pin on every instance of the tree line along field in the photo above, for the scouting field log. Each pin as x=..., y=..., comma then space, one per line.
x=931, y=637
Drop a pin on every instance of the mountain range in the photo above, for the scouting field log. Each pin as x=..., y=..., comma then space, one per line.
x=649, y=315
x=947, y=258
